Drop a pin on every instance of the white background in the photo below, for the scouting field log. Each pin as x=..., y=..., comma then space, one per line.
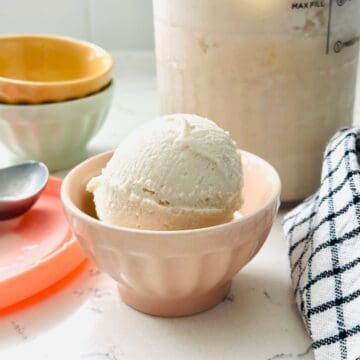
x=124, y=25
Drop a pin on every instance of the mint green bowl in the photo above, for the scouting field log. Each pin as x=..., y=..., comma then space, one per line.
x=54, y=133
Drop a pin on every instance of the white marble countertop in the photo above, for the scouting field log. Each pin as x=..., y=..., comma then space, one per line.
x=85, y=319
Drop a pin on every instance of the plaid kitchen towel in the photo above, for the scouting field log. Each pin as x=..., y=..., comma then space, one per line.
x=324, y=248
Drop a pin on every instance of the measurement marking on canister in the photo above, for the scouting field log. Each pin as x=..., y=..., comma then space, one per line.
x=307, y=5
x=339, y=45
x=329, y=27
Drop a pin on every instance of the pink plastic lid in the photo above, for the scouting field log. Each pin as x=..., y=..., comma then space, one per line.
x=36, y=250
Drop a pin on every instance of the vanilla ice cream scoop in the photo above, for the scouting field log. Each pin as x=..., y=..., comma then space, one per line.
x=177, y=172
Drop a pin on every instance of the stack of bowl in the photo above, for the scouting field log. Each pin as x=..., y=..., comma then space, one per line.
x=55, y=93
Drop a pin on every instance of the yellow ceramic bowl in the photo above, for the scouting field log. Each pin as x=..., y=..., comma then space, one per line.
x=47, y=68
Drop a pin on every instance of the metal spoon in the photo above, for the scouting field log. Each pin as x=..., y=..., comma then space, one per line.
x=20, y=187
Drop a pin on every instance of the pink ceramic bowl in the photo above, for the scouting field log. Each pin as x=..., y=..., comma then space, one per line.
x=173, y=273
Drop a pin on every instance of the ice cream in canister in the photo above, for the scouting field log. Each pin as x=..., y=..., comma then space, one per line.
x=279, y=75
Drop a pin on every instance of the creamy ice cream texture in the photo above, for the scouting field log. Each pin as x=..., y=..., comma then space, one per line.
x=177, y=172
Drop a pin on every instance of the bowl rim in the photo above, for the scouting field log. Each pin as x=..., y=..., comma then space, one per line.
x=68, y=203
x=61, y=83
x=109, y=88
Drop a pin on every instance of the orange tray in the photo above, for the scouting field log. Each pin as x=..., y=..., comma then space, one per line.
x=36, y=250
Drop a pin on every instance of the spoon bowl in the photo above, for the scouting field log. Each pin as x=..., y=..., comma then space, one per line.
x=20, y=187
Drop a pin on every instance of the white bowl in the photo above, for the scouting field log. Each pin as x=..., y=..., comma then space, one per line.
x=54, y=133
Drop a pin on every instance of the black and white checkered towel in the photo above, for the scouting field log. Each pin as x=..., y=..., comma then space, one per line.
x=324, y=240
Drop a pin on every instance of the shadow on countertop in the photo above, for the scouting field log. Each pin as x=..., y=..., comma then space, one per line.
x=260, y=311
